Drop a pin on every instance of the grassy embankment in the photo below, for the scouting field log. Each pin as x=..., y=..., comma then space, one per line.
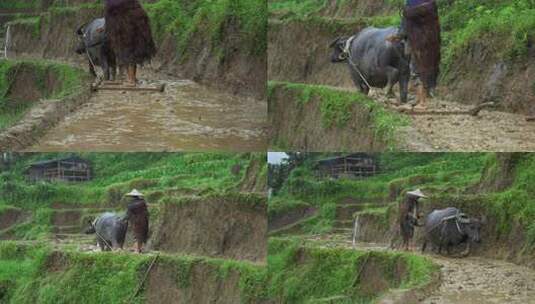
x=301, y=273
x=37, y=273
x=336, y=108
x=68, y=82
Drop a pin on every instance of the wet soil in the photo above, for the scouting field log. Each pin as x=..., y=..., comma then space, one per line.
x=489, y=131
x=186, y=117
x=472, y=280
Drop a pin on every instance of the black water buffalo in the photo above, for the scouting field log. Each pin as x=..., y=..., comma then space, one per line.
x=94, y=45
x=450, y=227
x=375, y=57
x=110, y=229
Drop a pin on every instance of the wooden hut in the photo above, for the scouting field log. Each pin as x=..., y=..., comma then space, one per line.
x=70, y=169
x=354, y=165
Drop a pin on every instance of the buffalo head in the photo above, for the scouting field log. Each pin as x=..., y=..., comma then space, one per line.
x=472, y=228
x=90, y=229
x=339, y=53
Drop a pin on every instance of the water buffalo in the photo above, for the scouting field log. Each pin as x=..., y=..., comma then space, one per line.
x=94, y=45
x=376, y=58
x=110, y=229
x=449, y=227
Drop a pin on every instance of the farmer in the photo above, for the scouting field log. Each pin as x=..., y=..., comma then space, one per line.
x=408, y=216
x=129, y=34
x=420, y=26
x=138, y=216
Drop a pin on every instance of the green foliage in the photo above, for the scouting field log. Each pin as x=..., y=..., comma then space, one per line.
x=210, y=19
x=338, y=107
x=69, y=82
x=439, y=172
x=299, y=272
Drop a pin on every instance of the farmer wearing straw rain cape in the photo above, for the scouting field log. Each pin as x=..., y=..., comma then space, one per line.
x=129, y=34
x=421, y=27
x=408, y=215
x=138, y=217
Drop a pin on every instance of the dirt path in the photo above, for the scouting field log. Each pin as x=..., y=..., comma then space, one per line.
x=472, y=280
x=187, y=116
x=483, y=281
x=492, y=131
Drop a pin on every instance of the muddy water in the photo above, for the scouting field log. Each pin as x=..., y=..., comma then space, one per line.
x=470, y=280
x=187, y=116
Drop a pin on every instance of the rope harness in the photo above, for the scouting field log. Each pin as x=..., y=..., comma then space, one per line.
x=100, y=76
x=458, y=217
x=347, y=54
x=100, y=236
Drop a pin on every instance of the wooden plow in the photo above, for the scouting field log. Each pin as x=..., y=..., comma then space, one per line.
x=472, y=112
x=120, y=86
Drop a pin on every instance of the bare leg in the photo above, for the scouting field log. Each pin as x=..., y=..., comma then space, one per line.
x=131, y=75
x=421, y=100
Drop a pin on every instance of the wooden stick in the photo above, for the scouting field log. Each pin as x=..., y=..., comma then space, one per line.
x=473, y=112
x=144, y=278
x=159, y=88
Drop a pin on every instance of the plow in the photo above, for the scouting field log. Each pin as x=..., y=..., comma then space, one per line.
x=121, y=86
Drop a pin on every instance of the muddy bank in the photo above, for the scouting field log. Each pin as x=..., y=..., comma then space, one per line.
x=10, y=217
x=310, y=118
x=309, y=272
x=193, y=280
x=226, y=66
x=231, y=226
x=298, y=51
x=508, y=83
x=503, y=243
x=47, y=94
x=255, y=178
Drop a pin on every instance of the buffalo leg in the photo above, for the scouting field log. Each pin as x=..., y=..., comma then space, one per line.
x=404, y=75
x=92, y=70
x=424, y=245
x=392, y=76
x=106, y=69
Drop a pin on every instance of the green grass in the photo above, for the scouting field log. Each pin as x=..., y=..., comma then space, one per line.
x=162, y=177
x=38, y=274
x=186, y=20
x=300, y=273
x=337, y=106
x=505, y=29
x=69, y=82
x=436, y=172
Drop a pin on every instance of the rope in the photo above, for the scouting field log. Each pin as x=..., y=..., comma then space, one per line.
x=101, y=237
x=347, y=50
x=356, y=279
x=100, y=75
x=144, y=278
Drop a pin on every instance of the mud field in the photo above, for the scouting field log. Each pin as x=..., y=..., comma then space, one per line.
x=187, y=116
x=472, y=280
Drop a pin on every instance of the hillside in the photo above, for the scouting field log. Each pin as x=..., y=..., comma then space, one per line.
x=343, y=213
x=207, y=230
x=487, y=56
